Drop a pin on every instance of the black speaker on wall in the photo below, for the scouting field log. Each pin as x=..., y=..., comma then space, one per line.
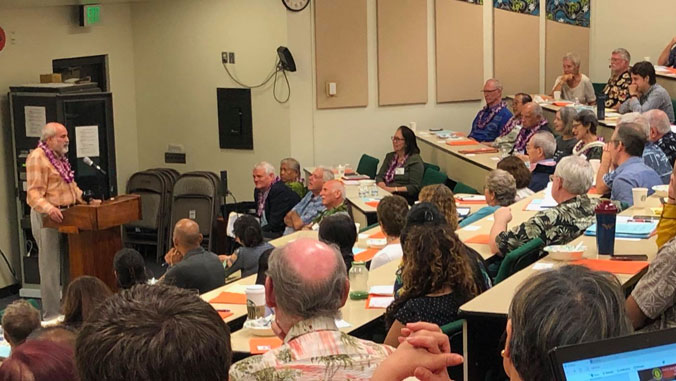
x=234, y=118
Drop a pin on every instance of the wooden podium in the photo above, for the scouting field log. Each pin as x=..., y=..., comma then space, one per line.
x=94, y=235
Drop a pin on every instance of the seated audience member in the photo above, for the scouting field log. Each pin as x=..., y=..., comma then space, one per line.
x=518, y=169
x=274, y=199
x=129, y=268
x=289, y=173
x=668, y=55
x=306, y=305
x=573, y=85
x=192, y=267
x=574, y=213
x=154, y=332
x=341, y=231
x=652, y=304
x=391, y=212
x=589, y=146
x=533, y=121
x=511, y=130
x=565, y=306
x=653, y=156
x=18, y=321
x=436, y=273
x=617, y=88
x=402, y=169
x=39, y=360
x=563, y=125
x=61, y=334
x=500, y=190
x=311, y=205
x=333, y=199
x=263, y=267
x=424, y=353
x=491, y=119
x=540, y=149
x=442, y=197
x=82, y=296
x=624, y=154
x=644, y=92
x=248, y=233
x=661, y=134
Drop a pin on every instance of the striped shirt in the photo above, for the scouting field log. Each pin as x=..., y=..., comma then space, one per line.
x=46, y=187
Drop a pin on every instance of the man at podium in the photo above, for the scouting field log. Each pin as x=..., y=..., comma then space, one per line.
x=50, y=188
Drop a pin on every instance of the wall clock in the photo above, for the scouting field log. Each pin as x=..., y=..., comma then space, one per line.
x=295, y=5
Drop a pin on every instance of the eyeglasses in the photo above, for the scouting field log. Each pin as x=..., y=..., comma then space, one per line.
x=489, y=91
x=396, y=139
x=551, y=177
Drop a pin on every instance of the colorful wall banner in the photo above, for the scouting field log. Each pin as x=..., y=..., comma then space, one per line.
x=529, y=7
x=573, y=12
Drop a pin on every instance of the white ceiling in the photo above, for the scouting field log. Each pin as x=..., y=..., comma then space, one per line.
x=53, y=3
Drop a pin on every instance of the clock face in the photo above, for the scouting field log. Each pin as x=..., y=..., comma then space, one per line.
x=295, y=5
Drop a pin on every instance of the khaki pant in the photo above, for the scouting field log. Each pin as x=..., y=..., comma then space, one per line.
x=50, y=264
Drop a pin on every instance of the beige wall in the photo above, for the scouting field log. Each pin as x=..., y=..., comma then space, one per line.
x=43, y=34
x=177, y=54
x=642, y=27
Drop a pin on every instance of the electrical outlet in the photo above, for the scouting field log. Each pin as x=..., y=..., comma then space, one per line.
x=224, y=57
x=231, y=57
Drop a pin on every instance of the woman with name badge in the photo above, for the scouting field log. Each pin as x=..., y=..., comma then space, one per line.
x=402, y=169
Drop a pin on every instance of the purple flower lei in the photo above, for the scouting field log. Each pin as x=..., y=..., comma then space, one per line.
x=61, y=164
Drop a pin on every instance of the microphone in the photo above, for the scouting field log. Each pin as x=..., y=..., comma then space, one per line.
x=90, y=163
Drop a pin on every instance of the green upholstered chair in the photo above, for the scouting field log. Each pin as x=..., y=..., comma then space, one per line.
x=673, y=103
x=368, y=165
x=432, y=176
x=433, y=166
x=598, y=87
x=463, y=188
x=519, y=258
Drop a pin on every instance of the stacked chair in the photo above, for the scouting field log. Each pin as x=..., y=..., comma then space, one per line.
x=155, y=188
x=196, y=196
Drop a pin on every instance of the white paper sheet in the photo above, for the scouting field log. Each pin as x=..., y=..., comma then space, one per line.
x=380, y=301
x=87, y=141
x=35, y=118
x=340, y=323
x=237, y=289
x=471, y=228
x=542, y=266
x=382, y=290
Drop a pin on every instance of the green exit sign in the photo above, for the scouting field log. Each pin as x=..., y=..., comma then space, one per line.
x=90, y=14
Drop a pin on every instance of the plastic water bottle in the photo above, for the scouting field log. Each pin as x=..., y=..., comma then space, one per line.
x=374, y=190
x=600, y=106
x=359, y=277
x=606, y=219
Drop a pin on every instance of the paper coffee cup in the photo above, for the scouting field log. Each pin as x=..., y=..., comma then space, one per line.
x=557, y=95
x=255, y=301
x=640, y=195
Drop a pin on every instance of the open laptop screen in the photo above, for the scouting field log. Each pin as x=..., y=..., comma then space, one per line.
x=639, y=357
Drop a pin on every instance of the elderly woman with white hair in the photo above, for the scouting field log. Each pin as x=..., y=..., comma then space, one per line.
x=500, y=190
x=558, y=225
x=572, y=84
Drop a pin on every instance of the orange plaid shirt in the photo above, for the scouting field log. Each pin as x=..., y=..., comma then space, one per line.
x=46, y=187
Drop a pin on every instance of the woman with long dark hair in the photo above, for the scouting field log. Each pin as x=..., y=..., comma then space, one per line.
x=403, y=168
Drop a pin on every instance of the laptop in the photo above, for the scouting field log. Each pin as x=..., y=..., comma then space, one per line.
x=639, y=357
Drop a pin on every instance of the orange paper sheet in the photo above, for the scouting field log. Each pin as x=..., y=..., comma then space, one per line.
x=614, y=267
x=229, y=298
x=260, y=345
x=366, y=255
x=463, y=142
x=368, y=302
x=225, y=314
x=479, y=150
x=377, y=235
x=471, y=202
x=483, y=239
x=372, y=204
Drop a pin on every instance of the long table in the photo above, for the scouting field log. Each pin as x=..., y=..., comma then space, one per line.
x=486, y=314
x=470, y=169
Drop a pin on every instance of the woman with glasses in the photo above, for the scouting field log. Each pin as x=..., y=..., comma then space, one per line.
x=403, y=168
x=589, y=145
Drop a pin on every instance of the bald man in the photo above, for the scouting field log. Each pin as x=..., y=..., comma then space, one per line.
x=306, y=304
x=192, y=267
x=492, y=118
x=333, y=199
x=51, y=187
